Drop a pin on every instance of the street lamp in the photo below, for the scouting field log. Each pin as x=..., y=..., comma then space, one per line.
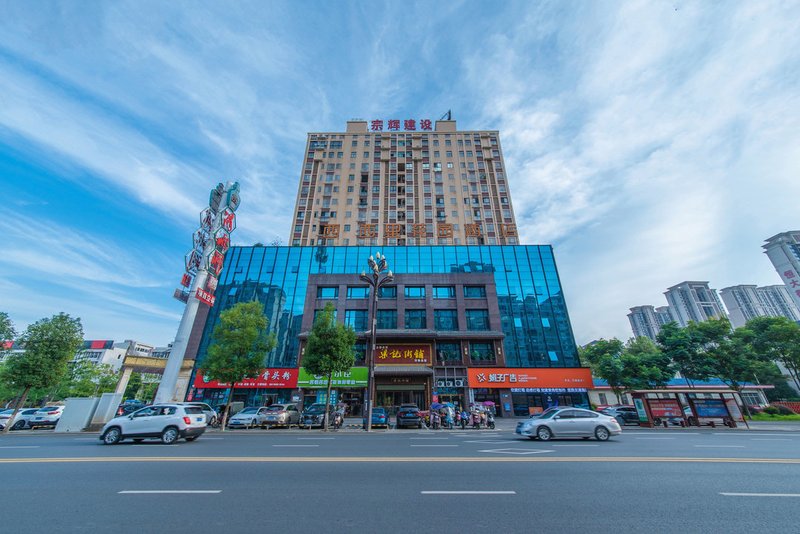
x=376, y=279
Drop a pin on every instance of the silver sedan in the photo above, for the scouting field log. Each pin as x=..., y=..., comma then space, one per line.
x=569, y=422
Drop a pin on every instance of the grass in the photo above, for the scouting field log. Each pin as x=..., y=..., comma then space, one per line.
x=775, y=418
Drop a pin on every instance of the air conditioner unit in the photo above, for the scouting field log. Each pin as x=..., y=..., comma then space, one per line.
x=449, y=383
x=459, y=382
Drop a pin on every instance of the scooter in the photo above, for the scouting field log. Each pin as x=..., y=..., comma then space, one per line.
x=490, y=420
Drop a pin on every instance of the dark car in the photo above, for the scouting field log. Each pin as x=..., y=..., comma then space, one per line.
x=408, y=415
x=314, y=415
x=379, y=418
x=625, y=415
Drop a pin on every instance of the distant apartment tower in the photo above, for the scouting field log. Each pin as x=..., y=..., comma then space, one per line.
x=408, y=184
x=745, y=302
x=647, y=320
x=783, y=250
x=663, y=316
x=693, y=301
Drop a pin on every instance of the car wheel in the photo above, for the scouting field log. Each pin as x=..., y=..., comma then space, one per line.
x=253, y=423
x=191, y=438
x=19, y=425
x=169, y=435
x=213, y=421
x=543, y=433
x=601, y=433
x=112, y=436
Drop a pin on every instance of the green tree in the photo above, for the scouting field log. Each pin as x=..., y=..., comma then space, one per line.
x=605, y=359
x=134, y=384
x=777, y=339
x=239, y=347
x=48, y=345
x=685, y=349
x=768, y=373
x=329, y=349
x=644, y=365
x=85, y=379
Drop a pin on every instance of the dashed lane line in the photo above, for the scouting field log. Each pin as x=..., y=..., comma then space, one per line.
x=760, y=494
x=467, y=492
x=168, y=492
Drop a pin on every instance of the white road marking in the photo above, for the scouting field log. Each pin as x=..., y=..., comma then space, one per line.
x=431, y=445
x=770, y=439
x=653, y=438
x=150, y=492
x=760, y=494
x=629, y=433
x=316, y=438
x=747, y=433
x=296, y=445
x=471, y=492
x=516, y=451
x=429, y=438
x=721, y=446
x=574, y=445
x=492, y=442
x=21, y=447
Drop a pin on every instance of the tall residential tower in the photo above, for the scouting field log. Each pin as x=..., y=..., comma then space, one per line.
x=783, y=251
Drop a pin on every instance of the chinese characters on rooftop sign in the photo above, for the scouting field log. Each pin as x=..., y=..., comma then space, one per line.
x=792, y=281
x=393, y=125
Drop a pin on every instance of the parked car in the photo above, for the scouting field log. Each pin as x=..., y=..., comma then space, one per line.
x=379, y=418
x=249, y=418
x=625, y=415
x=282, y=415
x=314, y=415
x=211, y=414
x=569, y=422
x=21, y=421
x=47, y=416
x=167, y=422
x=408, y=415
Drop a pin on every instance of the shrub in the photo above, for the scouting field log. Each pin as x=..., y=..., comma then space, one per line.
x=771, y=410
x=783, y=410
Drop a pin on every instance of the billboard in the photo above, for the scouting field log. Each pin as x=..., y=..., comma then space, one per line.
x=507, y=377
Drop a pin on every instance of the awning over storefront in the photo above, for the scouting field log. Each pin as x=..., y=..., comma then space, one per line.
x=387, y=370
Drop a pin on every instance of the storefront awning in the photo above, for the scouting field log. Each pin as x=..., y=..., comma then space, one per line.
x=386, y=370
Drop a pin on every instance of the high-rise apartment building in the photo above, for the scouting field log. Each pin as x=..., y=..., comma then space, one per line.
x=663, y=316
x=783, y=250
x=422, y=185
x=745, y=302
x=693, y=301
x=647, y=320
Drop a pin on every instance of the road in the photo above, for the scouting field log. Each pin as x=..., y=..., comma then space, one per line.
x=268, y=481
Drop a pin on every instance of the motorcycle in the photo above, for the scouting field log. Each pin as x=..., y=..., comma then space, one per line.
x=490, y=420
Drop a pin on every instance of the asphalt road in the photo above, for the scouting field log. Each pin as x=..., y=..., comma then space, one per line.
x=269, y=481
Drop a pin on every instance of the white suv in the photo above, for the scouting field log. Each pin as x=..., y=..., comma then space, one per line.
x=167, y=422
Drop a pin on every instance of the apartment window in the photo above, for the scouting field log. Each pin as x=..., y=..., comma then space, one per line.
x=445, y=319
x=415, y=320
x=327, y=292
x=387, y=319
x=444, y=292
x=477, y=319
x=481, y=352
x=356, y=318
x=387, y=292
x=415, y=292
x=475, y=292
x=357, y=292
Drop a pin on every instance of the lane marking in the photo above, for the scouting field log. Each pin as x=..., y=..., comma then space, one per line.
x=770, y=439
x=721, y=446
x=516, y=451
x=574, y=445
x=629, y=433
x=21, y=447
x=296, y=445
x=316, y=438
x=152, y=492
x=468, y=492
x=492, y=442
x=653, y=438
x=430, y=445
x=394, y=459
x=747, y=433
x=760, y=494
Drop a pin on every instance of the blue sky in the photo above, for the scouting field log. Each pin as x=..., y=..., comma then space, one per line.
x=650, y=142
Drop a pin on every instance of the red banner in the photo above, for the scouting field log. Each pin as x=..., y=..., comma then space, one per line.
x=403, y=354
x=492, y=377
x=205, y=297
x=269, y=378
x=664, y=408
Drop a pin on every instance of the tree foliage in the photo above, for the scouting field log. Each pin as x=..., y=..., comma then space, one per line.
x=86, y=379
x=778, y=340
x=239, y=346
x=329, y=348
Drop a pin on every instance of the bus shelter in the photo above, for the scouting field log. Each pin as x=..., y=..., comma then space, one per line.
x=688, y=407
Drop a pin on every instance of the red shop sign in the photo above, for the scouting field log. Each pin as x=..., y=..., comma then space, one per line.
x=269, y=378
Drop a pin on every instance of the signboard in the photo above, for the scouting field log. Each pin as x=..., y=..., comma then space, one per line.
x=233, y=197
x=409, y=125
x=710, y=408
x=664, y=408
x=403, y=354
x=640, y=410
x=493, y=377
x=269, y=378
x=356, y=377
x=205, y=297
x=548, y=390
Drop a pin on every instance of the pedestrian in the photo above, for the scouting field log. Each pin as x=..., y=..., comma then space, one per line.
x=464, y=419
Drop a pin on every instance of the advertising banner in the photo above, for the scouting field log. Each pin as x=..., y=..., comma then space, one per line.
x=664, y=408
x=710, y=408
x=354, y=378
x=403, y=354
x=269, y=378
x=492, y=377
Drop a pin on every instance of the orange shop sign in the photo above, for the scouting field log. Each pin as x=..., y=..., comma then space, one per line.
x=522, y=377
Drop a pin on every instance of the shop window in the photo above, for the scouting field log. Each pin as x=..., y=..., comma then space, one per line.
x=603, y=399
x=415, y=319
x=444, y=292
x=327, y=292
x=445, y=319
x=475, y=292
x=481, y=352
x=477, y=319
x=387, y=319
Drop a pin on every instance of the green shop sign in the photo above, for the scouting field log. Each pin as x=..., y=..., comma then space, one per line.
x=356, y=377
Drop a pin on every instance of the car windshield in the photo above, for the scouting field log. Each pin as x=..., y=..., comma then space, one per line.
x=10, y=410
x=48, y=409
x=547, y=415
x=379, y=411
x=193, y=410
x=316, y=408
x=249, y=410
x=275, y=408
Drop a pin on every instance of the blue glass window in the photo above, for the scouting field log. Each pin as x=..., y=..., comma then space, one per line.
x=445, y=319
x=387, y=319
x=444, y=292
x=448, y=352
x=415, y=292
x=553, y=356
x=327, y=292
x=357, y=292
x=475, y=292
x=481, y=352
x=477, y=319
x=387, y=292
x=415, y=320
x=545, y=322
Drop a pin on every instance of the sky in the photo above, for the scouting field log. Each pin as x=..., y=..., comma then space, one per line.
x=649, y=142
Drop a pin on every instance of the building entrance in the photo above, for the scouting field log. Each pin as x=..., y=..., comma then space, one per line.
x=392, y=399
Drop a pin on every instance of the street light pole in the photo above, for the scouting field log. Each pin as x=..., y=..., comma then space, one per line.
x=375, y=279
